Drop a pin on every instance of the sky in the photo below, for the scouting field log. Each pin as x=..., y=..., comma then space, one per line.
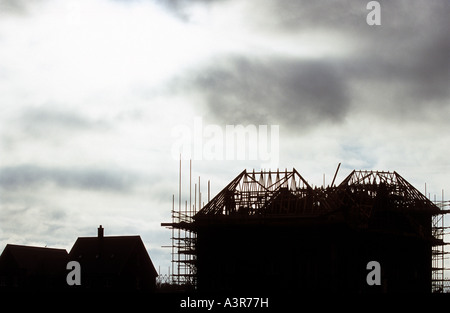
x=98, y=99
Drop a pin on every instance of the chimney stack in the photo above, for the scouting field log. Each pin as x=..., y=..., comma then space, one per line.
x=100, y=232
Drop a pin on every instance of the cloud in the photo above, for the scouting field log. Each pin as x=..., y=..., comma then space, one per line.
x=34, y=176
x=39, y=121
x=292, y=92
x=407, y=56
x=310, y=63
x=184, y=9
x=405, y=59
x=16, y=7
x=47, y=116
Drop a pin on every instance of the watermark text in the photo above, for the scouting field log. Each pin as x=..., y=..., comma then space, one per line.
x=232, y=142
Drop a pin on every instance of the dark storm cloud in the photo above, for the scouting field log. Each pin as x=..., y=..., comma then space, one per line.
x=292, y=16
x=273, y=15
x=239, y=90
x=33, y=176
x=410, y=50
x=407, y=57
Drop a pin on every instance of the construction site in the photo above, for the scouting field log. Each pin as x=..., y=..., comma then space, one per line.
x=271, y=231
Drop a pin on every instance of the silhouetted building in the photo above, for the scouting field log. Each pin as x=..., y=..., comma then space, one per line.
x=273, y=232
x=113, y=263
x=25, y=268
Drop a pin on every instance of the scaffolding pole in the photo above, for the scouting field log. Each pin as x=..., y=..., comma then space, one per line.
x=439, y=279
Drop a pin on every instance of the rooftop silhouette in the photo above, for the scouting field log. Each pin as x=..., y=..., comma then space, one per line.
x=108, y=263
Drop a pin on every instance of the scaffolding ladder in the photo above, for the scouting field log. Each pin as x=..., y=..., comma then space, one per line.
x=440, y=280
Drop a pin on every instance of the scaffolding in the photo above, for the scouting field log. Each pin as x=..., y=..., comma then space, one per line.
x=183, y=248
x=253, y=196
x=183, y=237
x=440, y=279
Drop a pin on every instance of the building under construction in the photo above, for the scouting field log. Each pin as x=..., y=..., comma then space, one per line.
x=273, y=232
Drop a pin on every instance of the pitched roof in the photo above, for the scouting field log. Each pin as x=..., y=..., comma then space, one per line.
x=33, y=259
x=400, y=193
x=252, y=192
x=108, y=254
x=264, y=194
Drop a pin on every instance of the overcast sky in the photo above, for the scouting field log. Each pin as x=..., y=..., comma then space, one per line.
x=93, y=94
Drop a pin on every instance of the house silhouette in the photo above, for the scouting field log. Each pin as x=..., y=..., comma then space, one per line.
x=112, y=263
x=25, y=268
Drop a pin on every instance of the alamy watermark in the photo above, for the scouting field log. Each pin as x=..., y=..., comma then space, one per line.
x=374, y=16
x=73, y=278
x=229, y=142
x=374, y=276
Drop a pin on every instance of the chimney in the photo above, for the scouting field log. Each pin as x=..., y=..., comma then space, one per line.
x=100, y=231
